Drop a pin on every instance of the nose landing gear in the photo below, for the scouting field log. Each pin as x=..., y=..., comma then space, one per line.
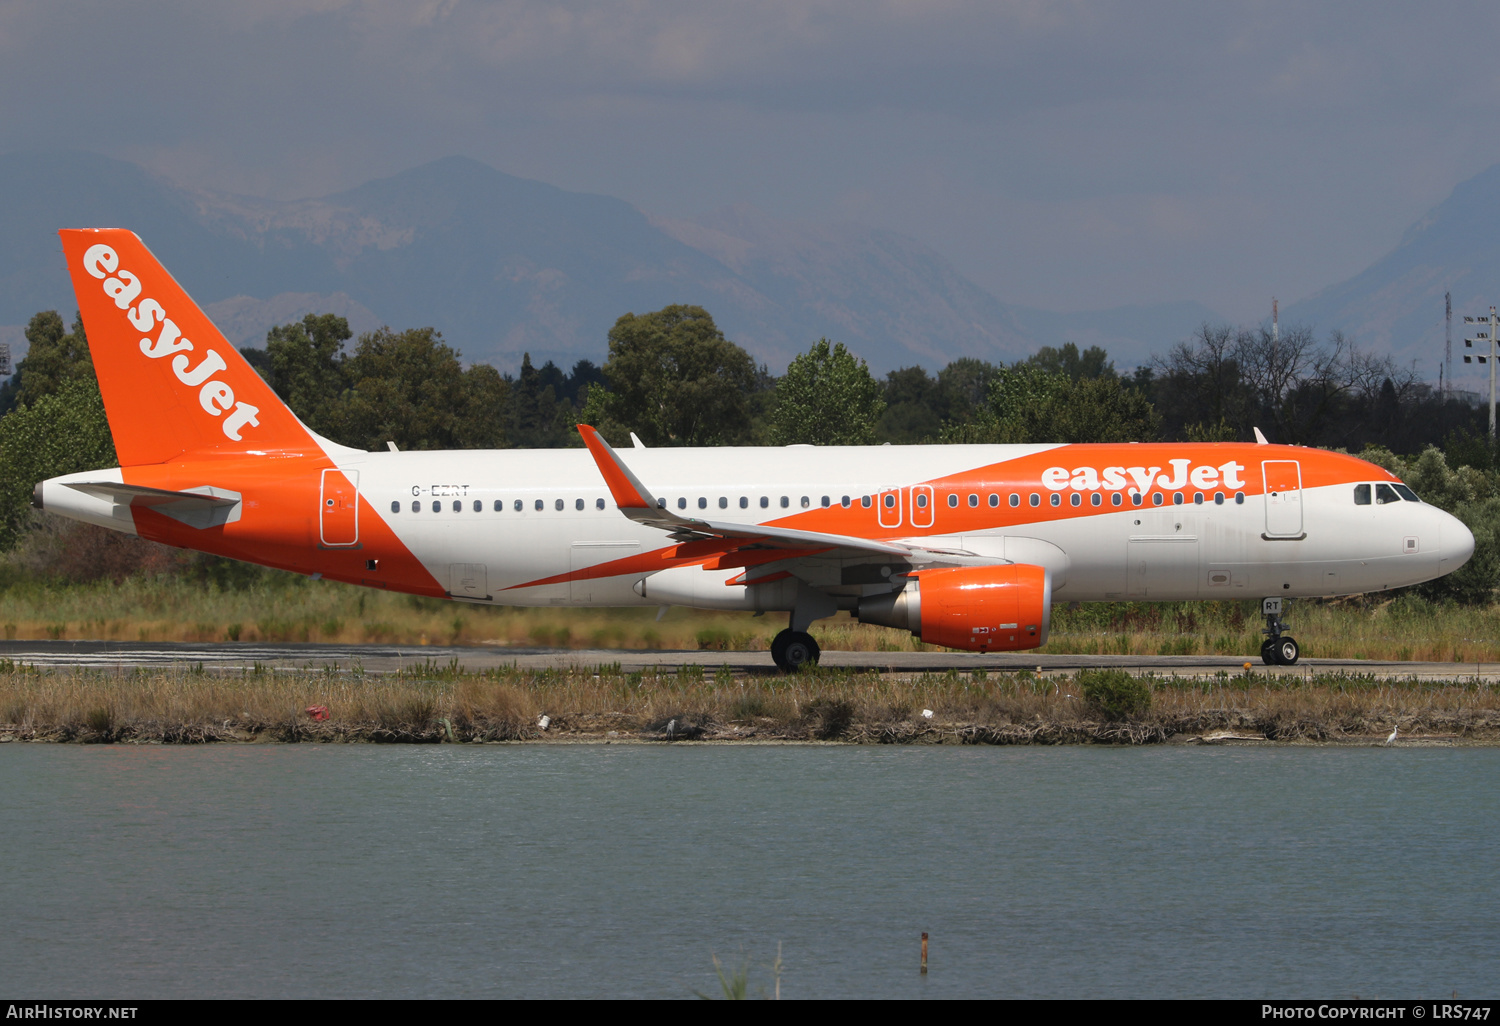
x=1278, y=649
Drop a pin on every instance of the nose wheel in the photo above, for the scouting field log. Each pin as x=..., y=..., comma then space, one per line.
x=793, y=650
x=1279, y=648
x=1282, y=651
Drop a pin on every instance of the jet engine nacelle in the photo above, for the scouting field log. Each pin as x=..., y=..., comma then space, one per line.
x=977, y=608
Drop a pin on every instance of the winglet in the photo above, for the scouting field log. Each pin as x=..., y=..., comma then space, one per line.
x=626, y=488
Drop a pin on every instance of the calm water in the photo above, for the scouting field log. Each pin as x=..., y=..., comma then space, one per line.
x=616, y=871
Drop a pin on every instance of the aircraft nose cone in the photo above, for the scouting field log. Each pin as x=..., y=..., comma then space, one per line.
x=1455, y=544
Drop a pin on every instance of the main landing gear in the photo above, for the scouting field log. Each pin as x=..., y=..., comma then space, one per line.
x=793, y=650
x=1278, y=649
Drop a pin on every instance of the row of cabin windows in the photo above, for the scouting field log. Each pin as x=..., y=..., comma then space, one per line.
x=478, y=506
x=889, y=500
x=1384, y=493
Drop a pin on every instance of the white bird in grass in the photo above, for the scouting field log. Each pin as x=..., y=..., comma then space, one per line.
x=1392, y=739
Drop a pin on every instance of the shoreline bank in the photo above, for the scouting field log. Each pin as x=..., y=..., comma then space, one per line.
x=436, y=705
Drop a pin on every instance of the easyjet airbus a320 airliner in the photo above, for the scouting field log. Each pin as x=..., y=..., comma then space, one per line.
x=966, y=546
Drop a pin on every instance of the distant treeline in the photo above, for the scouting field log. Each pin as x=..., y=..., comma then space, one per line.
x=671, y=378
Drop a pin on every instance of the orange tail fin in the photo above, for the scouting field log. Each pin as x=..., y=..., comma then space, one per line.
x=171, y=382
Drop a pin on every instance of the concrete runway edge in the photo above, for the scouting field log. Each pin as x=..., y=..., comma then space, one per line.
x=227, y=657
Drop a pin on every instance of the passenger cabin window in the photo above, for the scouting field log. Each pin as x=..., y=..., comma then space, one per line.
x=1362, y=495
x=478, y=506
x=702, y=502
x=458, y=505
x=578, y=504
x=598, y=503
x=994, y=500
x=845, y=502
x=682, y=502
x=558, y=505
x=921, y=500
x=437, y=507
x=765, y=500
x=744, y=502
x=890, y=501
x=541, y=504
x=519, y=505
x=785, y=501
x=953, y=502
x=396, y=506
x=1384, y=493
x=1015, y=498
x=1406, y=493
x=723, y=502
x=499, y=505
x=866, y=501
x=806, y=502
x=823, y=502
x=416, y=505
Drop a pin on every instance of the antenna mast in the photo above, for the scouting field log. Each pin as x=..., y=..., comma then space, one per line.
x=1275, y=322
x=1447, y=343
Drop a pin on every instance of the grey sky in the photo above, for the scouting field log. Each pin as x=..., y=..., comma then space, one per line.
x=1064, y=155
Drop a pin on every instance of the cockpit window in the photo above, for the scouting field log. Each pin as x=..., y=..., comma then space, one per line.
x=1406, y=493
x=1384, y=493
x=1362, y=495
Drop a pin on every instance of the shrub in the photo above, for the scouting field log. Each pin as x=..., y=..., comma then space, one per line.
x=1114, y=694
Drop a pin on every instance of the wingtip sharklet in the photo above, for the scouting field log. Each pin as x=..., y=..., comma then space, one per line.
x=624, y=486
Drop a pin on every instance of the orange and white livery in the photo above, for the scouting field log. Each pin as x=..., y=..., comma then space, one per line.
x=966, y=546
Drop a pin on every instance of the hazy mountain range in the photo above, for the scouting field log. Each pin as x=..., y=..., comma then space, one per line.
x=1396, y=304
x=503, y=265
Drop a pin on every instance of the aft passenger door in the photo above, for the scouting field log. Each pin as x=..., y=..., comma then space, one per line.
x=1283, y=481
x=338, y=508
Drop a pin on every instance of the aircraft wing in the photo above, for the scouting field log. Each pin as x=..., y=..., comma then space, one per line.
x=636, y=501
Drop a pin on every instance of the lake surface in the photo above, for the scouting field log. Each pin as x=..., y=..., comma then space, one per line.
x=622, y=870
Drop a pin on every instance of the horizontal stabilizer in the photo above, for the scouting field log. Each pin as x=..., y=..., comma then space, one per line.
x=200, y=507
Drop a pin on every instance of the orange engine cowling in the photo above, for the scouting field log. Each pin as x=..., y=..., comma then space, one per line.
x=977, y=608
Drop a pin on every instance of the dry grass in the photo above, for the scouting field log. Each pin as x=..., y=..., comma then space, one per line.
x=286, y=608
x=443, y=704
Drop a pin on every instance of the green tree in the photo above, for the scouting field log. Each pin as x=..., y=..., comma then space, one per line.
x=54, y=357
x=63, y=432
x=307, y=369
x=963, y=386
x=536, y=417
x=1029, y=405
x=674, y=379
x=1093, y=362
x=409, y=387
x=827, y=398
x=914, y=407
